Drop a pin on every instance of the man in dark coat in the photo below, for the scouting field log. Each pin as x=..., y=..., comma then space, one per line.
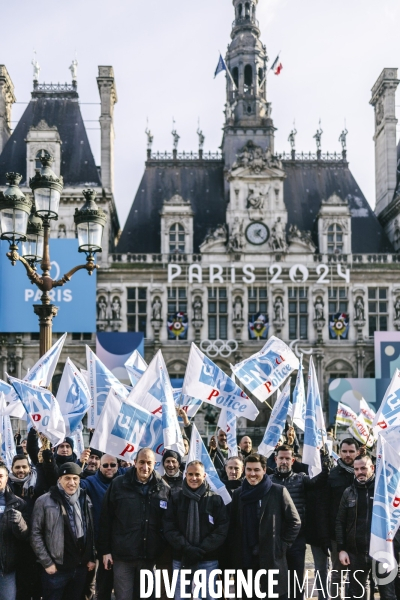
x=196, y=525
x=218, y=450
x=173, y=476
x=233, y=474
x=264, y=524
x=131, y=528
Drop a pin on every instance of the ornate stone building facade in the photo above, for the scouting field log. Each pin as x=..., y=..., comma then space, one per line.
x=228, y=249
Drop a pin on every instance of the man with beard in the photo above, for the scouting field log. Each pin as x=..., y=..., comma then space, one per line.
x=297, y=484
x=339, y=478
x=172, y=462
x=245, y=446
x=219, y=451
x=91, y=458
x=353, y=531
x=264, y=523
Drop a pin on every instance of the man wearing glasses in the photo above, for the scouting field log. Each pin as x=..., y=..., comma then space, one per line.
x=96, y=487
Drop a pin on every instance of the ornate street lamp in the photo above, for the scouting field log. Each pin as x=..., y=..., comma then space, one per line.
x=14, y=213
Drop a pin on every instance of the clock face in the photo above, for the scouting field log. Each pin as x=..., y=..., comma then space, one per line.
x=257, y=233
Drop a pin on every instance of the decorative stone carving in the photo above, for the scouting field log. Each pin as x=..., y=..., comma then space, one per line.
x=116, y=309
x=299, y=238
x=397, y=313
x=255, y=158
x=74, y=69
x=277, y=241
x=278, y=320
x=238, y=308
x=156, y=309
x=101, y=308
x=197, y=309
x=198, y=321
x=236, y=237
x=359, y=309
x=319, y=309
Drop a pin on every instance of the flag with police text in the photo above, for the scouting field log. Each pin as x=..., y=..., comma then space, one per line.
x=124, y=428
x=345, y=415
x=315, y=432
x=299, y=398
x=265, y=371
x=7, y=436
x=388, y=414
x=207, y=382
x=227, y=422
x=136, y=366
x=276, y=422
x=385, y=511
x=73, y=396
x=101, y=380
x=42, y=409
x=198, y=451
x=367, y=412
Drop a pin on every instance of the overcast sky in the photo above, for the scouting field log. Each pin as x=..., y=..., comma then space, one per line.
x=164, y=53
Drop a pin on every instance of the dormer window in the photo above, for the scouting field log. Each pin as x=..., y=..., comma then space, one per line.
x=335, y=239
x=176, y=238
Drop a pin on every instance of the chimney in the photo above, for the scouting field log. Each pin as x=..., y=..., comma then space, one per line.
x=108, y=97
x=7, y=99
x=383, y=101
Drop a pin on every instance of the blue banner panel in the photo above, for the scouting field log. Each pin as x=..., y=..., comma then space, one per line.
x=114, y=349
x=76, y=300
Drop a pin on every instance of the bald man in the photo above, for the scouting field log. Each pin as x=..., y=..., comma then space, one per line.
x=245, y=446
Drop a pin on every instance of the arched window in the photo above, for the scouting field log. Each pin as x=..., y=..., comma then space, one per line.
x=335, y=239
x=235, y=75
x=396, y=238
x=254, y=11
x=176, y=238
x=260, y=76
x=247, y=9
x=240, y=10
x=248, y=77
x=62, y=232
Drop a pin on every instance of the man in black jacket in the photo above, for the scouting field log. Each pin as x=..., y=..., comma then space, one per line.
x=196, y=525
x=264, y=523
x=297, y=485
x=131, y=530
x=339, y=478
x=218, y=450
x=233, y=474
x=173, y=476
x=13, y=528
x=353, y=531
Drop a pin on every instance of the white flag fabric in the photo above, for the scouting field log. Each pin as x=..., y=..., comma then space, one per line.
x=385, y=511
x=79, y=443
x=315, y=432
x=198, y=451
x=73, y=396
x=124, y=428
x=299, y=399
x=7, y=436
x=345, y=415
x=172, y=433
x=367, y=412
x=42, y=409
x=187, y=403
x=227, y=422
x=392, y=436
x=136, y=366
x=388, y=414
x=207, y=382
x=276, y=422
x=360, y=431
x=265, y=371
x=101, y=380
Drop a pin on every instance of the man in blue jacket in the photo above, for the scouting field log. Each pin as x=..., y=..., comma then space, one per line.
x=96, y=487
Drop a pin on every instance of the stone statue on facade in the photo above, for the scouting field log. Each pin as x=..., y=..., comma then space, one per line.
x=101, y=309
x=238, y=308
x=150, y=138
x=359, y=309
x=319, y=309
x=116, y=309
x=230, y=110
x=278, y=237
x=318, y=137
x=175, y=137
x=74, y=69
x=197, y=309
x=157, y=306
x=278, y=309
x=201, y=138
x=397, y=309
x=256, y=197
x=218, y=235
x=236, y=236
x=292, y=138
x=342, y=138
x=36, y=68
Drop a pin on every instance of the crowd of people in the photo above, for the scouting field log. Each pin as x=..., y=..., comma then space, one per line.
x=84, y=527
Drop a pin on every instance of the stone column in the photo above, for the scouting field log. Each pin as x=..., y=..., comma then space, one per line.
x=108, y=97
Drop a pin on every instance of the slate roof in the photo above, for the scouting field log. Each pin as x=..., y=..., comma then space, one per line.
x=62, y=110
x=201, y=182
x=306, y=184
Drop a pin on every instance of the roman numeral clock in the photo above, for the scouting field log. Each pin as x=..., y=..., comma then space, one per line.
x=257, y=233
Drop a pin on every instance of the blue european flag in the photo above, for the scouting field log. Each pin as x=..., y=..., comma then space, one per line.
x=221, y=66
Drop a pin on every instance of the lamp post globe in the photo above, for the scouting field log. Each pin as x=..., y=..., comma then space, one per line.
x=90, y=221
x=32, y=247
x=15, y=209
x=47, y=188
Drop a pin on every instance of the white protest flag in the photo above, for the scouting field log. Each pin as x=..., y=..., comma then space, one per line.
x=345, y=415
x=392, y=436
x=41, y=374
x=136, y=366
x=42, y=409
x=172, y=434
x=315, y=432
x=265, y=371
x=149, y=391
x=227, y=422
x=101, y=380
x=367, y=412
x=289, y=417
x=299, y=398
x=198, y=451
x=124, y=428
x=276, y=422
x=73, y=396
x=386, y=510
x=207, y=382
x=388, y=414
x=7, y=436
x=79, y=443
x=360, y=431
x=187, y=403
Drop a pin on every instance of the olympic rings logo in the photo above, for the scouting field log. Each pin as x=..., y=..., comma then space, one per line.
x=215, y=348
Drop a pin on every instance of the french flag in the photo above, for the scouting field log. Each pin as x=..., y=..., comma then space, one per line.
x=277, y=66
